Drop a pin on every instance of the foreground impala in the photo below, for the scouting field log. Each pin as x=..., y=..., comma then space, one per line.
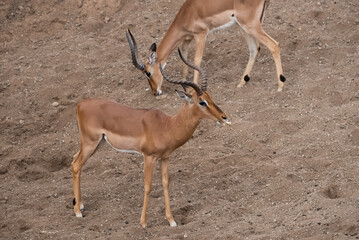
x=195, y=20
x=149, y=132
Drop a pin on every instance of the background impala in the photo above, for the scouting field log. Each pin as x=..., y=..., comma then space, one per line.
x=197, y=18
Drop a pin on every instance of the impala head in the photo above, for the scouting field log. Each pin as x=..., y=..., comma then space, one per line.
x=148, y=68
x=199, y=97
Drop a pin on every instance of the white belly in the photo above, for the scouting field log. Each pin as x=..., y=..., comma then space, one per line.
x=127, y=147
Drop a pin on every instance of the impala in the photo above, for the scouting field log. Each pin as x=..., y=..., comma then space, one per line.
x=197, y=18
x=149, y=132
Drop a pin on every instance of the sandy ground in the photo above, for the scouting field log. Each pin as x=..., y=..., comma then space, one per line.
x=286, y=169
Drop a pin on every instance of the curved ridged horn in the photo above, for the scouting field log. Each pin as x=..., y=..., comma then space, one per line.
x=199, y=69
x=182, y=82
x=134, y=51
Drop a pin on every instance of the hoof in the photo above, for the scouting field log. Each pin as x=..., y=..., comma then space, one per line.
x=79, y=215
x=280, y=89
x=243, y=81
x=82, y=207
x=173, y=224
x=158, y=93
x=240, y=85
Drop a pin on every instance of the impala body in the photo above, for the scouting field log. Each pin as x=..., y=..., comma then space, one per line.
x=194, y=20
x=149, y=132
x=145, y=131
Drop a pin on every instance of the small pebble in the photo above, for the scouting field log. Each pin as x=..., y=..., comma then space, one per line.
x=55, y=104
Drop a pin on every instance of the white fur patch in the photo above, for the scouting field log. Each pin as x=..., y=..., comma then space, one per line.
x=227, y=25
x=120, y=150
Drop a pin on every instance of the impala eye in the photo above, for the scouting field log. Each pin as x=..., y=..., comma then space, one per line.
x=203, y=103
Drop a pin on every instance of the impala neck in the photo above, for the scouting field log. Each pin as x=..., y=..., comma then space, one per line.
x=170, y=41
x=185, y=122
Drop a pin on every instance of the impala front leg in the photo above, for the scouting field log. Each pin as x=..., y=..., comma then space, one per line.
x=200, y=44
x=165, y=184
x=185, y=45
x=149, y=162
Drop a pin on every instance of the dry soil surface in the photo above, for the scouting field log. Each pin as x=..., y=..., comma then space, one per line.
x=288, y=167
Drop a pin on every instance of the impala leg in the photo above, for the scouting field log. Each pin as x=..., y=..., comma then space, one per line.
x=149, y=162
x=200, y=44
x=185, y=45
x=165, y=185
x=79, y=160
x=274, y=48
x=253, y=47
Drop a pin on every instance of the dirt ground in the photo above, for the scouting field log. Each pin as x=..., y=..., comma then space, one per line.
x=287, y=168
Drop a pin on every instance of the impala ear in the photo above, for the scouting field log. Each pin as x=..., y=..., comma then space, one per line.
x=184, y=87
x=153, y=47
x=152, y=58
x=184, y=95
x=153, y=55
x=188, y=90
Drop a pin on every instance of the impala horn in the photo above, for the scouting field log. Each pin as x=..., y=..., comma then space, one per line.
x=182, y=82
x=134, y=52
x=198, y=68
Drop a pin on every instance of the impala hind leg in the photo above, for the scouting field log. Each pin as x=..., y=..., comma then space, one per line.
x=79, y=160
x=253, y=47
x=165, y=185
x=149, y=162
x=274, y=48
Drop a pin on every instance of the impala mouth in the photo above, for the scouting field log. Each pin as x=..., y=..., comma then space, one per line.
x=224, y=122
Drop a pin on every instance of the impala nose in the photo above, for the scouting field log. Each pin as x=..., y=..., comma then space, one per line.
x=225, y=120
